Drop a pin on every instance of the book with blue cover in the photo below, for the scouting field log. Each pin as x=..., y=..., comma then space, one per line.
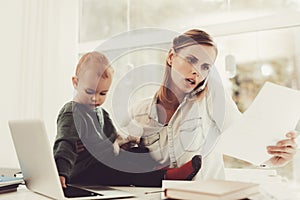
x=5, y=180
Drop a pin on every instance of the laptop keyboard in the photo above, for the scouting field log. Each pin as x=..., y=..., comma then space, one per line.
x=71, y=191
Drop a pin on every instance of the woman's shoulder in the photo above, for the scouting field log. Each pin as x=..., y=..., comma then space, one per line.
x=209, y=95
x=224, y=107
x=142, y=106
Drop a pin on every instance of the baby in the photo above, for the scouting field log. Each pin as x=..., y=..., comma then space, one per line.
x=86, y=135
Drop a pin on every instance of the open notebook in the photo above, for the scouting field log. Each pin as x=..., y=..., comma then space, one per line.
x=38, y=166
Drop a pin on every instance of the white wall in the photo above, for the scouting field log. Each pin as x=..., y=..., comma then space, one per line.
x=297, y=64
x=38, y=54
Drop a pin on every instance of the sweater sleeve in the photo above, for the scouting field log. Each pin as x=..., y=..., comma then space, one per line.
x=64, y=147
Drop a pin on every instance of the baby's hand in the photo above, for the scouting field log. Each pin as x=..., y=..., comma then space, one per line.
x=63, y=181
x=129, y=139
x=133, y=139
x=125, y=143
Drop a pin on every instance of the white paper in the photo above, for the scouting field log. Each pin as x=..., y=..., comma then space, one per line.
x=274, y=112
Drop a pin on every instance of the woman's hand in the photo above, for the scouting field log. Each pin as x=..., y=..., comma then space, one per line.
x=283, y=151
x=63, y=181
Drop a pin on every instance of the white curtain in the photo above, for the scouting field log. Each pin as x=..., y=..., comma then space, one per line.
x=33, y=53
x=40, y=54
x=48, y=54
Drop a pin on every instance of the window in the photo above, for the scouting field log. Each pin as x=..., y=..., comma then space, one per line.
x=266, y=48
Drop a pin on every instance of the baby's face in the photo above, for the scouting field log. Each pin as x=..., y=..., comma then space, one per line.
x=91, y=89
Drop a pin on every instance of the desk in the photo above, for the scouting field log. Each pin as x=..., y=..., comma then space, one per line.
x=283, y=192
x=24, y=194
x=275, y=186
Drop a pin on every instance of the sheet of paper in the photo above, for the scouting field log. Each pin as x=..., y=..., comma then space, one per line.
x=274, y=112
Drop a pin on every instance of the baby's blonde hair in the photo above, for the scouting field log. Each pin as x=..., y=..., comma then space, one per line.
x=97, y=59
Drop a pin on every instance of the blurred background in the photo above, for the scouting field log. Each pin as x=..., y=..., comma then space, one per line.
x=42, y=40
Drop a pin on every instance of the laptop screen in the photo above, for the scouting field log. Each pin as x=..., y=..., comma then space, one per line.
x=71, y=191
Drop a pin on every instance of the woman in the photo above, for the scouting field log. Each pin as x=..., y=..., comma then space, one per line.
x=190, y=110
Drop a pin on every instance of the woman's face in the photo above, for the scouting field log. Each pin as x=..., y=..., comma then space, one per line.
x=190, y=66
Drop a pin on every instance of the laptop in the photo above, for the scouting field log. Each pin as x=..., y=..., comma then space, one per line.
x=39, y=170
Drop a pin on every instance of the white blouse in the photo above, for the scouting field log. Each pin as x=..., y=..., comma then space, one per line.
x=187, y=132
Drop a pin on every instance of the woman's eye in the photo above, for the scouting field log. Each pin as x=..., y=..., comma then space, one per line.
x=205, y=67
x=191, y=60
x=103, y=93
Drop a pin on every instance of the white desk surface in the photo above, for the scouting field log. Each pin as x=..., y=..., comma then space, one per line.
x=287, y=192
x=24, y=194
x=274, y=186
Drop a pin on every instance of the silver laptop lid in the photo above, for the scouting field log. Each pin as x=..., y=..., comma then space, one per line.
x=38, y=166
x=36, y=157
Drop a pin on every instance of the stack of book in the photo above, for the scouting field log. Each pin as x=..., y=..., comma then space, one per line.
x=209, y=190
x=9, y=184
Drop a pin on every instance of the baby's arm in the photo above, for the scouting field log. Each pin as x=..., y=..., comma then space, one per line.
x=64, y=146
